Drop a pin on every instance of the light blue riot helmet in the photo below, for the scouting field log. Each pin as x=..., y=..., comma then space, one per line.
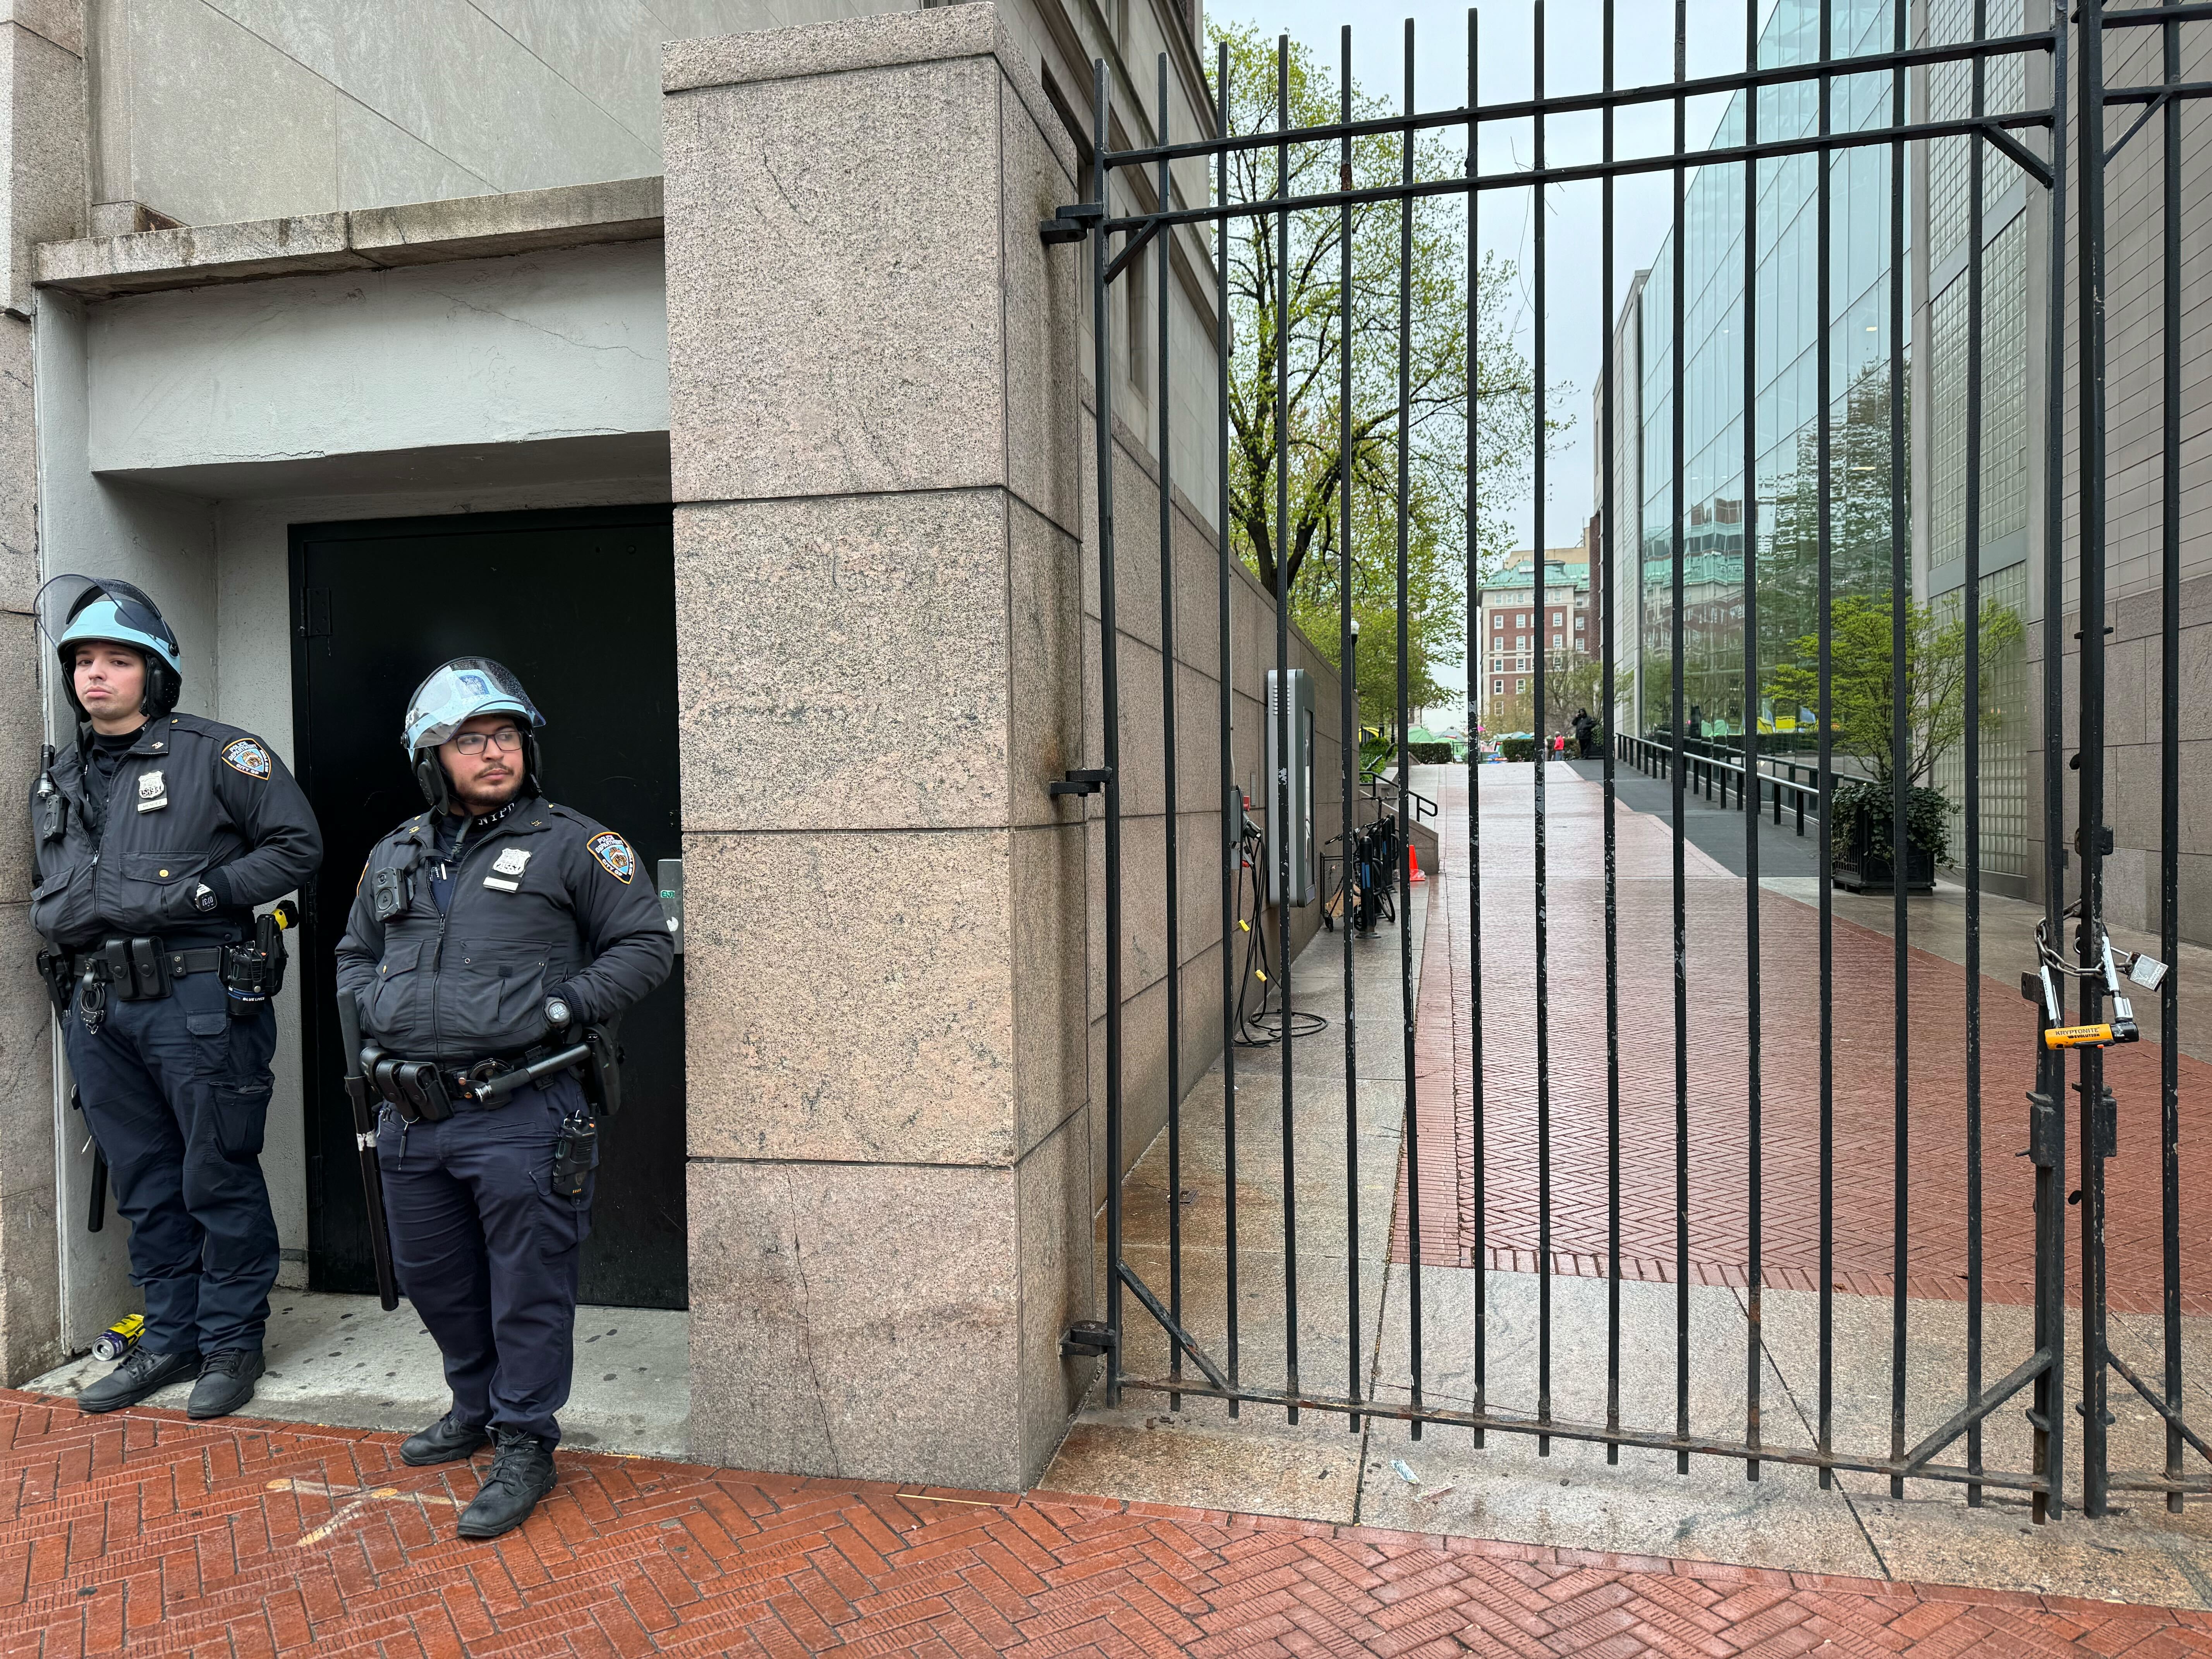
x=75, y=610
x=454, y=694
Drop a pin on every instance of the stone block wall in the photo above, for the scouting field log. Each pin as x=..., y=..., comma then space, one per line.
x=42, y=157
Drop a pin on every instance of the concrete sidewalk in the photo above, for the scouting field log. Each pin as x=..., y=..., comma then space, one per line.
x=342, y=1361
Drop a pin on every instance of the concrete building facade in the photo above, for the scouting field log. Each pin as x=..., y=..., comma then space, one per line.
x=332, y=326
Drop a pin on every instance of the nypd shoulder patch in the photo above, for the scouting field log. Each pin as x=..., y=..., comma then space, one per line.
x=243, y=755
x=614, y=853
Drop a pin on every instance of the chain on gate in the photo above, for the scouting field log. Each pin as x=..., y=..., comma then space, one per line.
x=1814, y=106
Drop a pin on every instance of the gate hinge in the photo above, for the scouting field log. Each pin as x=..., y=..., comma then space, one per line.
x=2046, y=1131
x=1088, y=1339
x=2104, y=842
x=1071, y=223
x=1083, y=781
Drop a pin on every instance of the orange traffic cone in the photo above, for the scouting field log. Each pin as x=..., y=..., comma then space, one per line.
x=1413, y=865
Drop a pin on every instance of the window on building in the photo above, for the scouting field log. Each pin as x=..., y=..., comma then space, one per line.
x=1497, y=686
x=1557, y=640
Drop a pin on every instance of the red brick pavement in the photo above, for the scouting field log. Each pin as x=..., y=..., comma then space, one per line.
x=144, y=1532
x=1864, y=1072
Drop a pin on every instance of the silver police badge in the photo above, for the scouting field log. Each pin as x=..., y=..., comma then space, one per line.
x=507, y=868
x=153, y=792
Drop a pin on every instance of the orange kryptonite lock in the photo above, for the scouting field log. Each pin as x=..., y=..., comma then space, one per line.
x=2078, y=1037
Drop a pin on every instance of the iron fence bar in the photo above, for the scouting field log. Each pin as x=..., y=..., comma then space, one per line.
x=2165, y=91
x=1565, y=1429
x=1995, y=129
x=2152, y=16
x=2046, y=1420
x=1232, y=798
x=1479, y=1146
x=1677, y=511
x=1824, y=534
x=2177, y=1428
x=1280, y=783
x=1173, y=869
x=1102, y=324
x=1973, y=760
x=1968, y=1417
x=1747, y=798
x=1181, y=1340
x=2095, y=1449
x=1348, y=739
x=1900, y=850
x=1609, y=598
x=2169, y=781
x=1582, y=103
x=1543, y=768
x=1404, y=845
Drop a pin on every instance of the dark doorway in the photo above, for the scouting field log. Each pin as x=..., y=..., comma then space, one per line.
x=583, y=606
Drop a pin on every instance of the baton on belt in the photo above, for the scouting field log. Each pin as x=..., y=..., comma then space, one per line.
x=364, y=1134
x=490, y=1090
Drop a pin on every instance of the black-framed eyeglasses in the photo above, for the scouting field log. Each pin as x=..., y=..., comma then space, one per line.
x=509, y=737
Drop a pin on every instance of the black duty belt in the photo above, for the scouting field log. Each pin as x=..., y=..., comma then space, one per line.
x=129, y=969
x=205, y=961
x=429, y=1091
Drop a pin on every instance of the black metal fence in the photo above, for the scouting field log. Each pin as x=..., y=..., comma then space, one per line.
x=2052, y=148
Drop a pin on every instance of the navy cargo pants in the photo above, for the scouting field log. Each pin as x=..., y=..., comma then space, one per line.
x=176, y=1091
x=487, y=1251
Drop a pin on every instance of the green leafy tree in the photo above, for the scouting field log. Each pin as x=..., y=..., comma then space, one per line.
x=1862, y=679
x=1289, y=318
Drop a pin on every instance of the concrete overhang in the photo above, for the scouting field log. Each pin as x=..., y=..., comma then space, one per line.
x=367, y=239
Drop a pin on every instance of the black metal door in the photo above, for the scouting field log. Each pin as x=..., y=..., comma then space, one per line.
x=582, y=604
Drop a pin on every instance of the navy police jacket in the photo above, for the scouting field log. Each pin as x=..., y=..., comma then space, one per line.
x=543, y=901
x=192, y=801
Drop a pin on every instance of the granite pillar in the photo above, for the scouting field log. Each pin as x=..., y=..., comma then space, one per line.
x=42, y=198
x=874, y=434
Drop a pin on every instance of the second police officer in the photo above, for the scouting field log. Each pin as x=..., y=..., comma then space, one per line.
x=486, y=931
x=155, y=836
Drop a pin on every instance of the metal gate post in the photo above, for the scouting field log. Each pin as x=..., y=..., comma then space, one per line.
x=2089, y=842
x=1109, y=681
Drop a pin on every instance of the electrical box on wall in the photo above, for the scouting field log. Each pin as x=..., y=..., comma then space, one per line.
x=1301, y=781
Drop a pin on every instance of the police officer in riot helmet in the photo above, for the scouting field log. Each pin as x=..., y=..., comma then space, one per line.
x=488, y=934
x=156, y=834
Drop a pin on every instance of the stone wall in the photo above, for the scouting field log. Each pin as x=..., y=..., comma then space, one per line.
x=2134, y=517
x=42, y=139
x=1200, y=854
x=873, y=439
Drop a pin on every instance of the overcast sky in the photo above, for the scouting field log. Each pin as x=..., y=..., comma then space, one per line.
x=1643, y=53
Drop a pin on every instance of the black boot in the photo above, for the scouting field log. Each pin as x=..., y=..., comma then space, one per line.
x=521, y=1473
x=444, y=1441
x=140, y=1374
x=226, y=1382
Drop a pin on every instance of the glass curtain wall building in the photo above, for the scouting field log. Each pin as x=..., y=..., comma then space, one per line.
x=1858, y=339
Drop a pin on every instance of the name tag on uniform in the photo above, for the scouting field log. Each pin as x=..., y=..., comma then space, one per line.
x=153, y=792
x=507, y=869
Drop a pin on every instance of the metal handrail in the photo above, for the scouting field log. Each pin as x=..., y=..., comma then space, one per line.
x=1706, y=773
x=1423, y=806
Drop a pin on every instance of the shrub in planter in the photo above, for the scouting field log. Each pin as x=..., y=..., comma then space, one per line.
x=1859, y=837
x=1430, y=754
x=1517, y=749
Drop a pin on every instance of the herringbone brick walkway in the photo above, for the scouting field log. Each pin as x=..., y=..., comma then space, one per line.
x=147, y=1533
x=1864, y=1075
